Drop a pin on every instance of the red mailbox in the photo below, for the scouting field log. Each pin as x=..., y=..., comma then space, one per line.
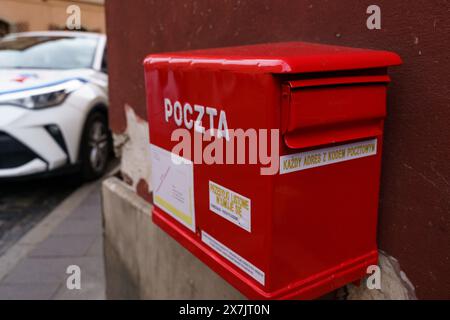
x=295, y=216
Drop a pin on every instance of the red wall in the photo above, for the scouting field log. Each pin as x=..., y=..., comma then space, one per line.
x=415, y=190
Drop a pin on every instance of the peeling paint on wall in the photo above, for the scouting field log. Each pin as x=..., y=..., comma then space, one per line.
x=133, y=147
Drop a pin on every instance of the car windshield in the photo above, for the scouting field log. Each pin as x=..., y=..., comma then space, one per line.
x=47, y=52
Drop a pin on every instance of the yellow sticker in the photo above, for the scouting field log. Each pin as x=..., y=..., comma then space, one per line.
x=230, y=205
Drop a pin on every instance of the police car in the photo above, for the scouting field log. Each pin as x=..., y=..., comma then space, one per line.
x=53, y=104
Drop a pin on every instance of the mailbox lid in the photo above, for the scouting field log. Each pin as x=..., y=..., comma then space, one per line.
x=277, y=58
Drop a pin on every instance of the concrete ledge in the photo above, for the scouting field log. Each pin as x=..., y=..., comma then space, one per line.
x=143, y=262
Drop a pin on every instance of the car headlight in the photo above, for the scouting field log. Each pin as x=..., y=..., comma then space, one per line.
x=42, y=97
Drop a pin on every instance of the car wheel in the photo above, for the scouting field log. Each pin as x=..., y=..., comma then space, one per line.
x=95, y=146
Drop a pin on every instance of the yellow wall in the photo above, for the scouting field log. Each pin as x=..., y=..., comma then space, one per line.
x=38, y=15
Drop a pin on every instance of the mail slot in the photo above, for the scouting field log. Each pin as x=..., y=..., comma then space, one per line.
x=266, y=161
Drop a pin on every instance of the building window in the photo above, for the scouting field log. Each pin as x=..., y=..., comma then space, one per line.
x=4, y=28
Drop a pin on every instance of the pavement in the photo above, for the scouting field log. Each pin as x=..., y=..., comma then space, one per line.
x=36, y=266
x=24, y=203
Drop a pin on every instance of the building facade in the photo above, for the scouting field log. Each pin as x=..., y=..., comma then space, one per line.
x=39, y=15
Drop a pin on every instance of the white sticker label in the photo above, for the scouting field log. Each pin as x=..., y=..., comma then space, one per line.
x=173, y=185
x=322, y=157
x=234, y=258
x=230, y=205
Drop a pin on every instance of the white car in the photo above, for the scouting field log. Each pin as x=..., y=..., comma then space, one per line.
x=53, y=104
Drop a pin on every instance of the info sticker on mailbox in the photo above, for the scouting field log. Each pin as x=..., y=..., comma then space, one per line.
x=322, y=157
x=230, y=205
x=173, y=183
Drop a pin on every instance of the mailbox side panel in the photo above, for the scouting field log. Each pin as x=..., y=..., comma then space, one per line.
x=238, y=251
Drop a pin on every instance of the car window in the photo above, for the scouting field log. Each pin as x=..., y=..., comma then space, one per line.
x=47, y=52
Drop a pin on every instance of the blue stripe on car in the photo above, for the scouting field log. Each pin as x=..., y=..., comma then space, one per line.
x=49, y=84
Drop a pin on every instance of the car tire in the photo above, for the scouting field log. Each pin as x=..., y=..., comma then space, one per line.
x=95, y=146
